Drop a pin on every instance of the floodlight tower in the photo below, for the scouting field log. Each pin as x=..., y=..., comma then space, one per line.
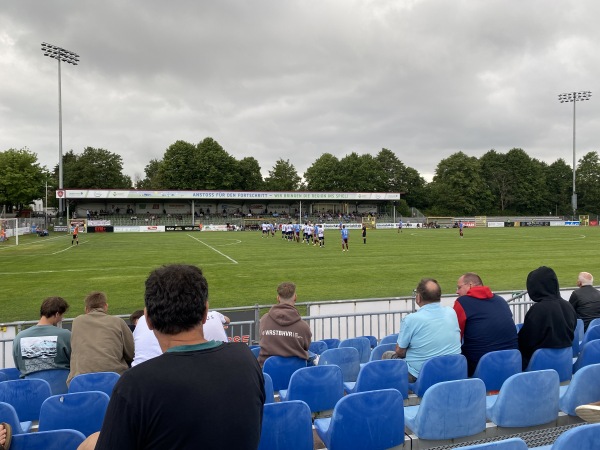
x=60, y=54
x=566, y=98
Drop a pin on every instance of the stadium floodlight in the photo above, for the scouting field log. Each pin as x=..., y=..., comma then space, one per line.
x=60, y=54
x=574, y=97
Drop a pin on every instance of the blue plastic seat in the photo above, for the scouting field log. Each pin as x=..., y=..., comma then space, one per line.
x=9, y=415
x=317, y=347
x=281, y=368
x=438, y=369
x=389, y=339
x=578, y=337
x=81, y=411
x=26, y=396
x=592, y=333
x=372, y=340
x=583, y=388
x=378, y=351
x=526, y=399
x=506, y=444
x=48, y=440
x=495, y=367
x=332, y=343
x=449, y=410
x=381, y=374
x=320, y=387
x=592, y=323
x=559, y=359
x=11, y=373
x=94, y=381
x=286, y=426
x=362, y=344
x=255, y=351
x=56, y=378
x=584, y=437
x=590, y=354
x=371, y=420
x=518, y=326
x=269, y=391
x=346, y=358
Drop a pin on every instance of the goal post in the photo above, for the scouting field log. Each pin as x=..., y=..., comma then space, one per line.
x=440, y=222
x=81, y=223
x=9, y=232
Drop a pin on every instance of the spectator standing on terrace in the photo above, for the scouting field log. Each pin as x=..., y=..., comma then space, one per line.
x=485, y=320
x=214, y=327
x=586, y=299
x=44, y=346
x=430, y=331
x=282, y=330
x=100, y=342
x=551, y=321
x=344, y=238
x=198, y=393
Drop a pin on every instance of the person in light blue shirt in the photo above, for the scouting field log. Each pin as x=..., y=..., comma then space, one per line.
x=430, y=331
x=344, y=238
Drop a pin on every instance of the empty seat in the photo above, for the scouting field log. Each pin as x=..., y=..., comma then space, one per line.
x=362, y=344
x=48, y=440
x=317, y=347
x=281, y=368
x=449, y=410
x=506, y=444
x=590, y=354
x=593, y=323
x=11, y=373
x=378, y=351
x=269, y=391
x=583, y=388
x=26, y=396
x=56, y=378
x=255, y=351
x=593, y=332
x=372, y=340
x=371, y=420
x=389, y=339
x=9, y=415
x=332, y=343
x=438, y=369
x=495, y=367
x=94, y=381
x=526, y=399
x=559, y=359
x=320, y=387
x=346, y=358
x=578, y=337
x=81, y=411
x=584, y=437
x=381, y=374
x=286, y=426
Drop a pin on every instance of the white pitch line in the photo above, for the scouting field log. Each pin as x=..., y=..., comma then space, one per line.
x=214, y=249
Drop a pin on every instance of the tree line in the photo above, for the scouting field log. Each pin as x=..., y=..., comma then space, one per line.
x=510, y=183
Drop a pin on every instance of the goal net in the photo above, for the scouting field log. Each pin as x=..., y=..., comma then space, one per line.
x=9, y=232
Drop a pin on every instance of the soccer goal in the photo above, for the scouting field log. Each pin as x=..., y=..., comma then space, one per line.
x=9, y=232
x=439, y=222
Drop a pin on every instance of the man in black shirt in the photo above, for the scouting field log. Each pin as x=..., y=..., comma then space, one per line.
x=586, y=299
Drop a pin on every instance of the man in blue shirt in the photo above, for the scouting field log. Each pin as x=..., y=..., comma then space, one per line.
x=430, y=331
x=344, y=238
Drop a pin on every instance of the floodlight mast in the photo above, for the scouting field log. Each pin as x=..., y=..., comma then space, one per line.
x=574, y=97
x=60, y=54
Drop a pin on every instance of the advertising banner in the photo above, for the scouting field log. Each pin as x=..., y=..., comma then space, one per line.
x=182, y=228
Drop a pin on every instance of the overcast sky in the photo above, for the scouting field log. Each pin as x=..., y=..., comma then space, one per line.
x=294, y=79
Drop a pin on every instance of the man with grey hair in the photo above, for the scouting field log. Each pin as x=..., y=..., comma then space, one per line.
x=586, y=299
x=282, y=330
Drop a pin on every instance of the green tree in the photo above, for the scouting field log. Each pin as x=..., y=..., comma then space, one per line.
x=152, y=180
x=283, y=177
x=324, y=174
x=22, y=180
x=558, y=187
x=250, y=174
x=217, y=169
x=95, y=168
x=528, y=183
x=178, y=169
x=497, y=173
x=588, y=184
x=399, y=178
x=361, y=173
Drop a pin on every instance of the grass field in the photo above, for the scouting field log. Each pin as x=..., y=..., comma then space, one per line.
x=244, y=269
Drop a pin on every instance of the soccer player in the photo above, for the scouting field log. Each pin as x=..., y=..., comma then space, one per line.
x=322, y=235
x=344, y=239
x=75, y=236
x=460, y=228
x=364, y=233
x=400, y=226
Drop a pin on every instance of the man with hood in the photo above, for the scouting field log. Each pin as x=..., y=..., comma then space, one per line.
x=282, y=330
x=485, y=320
x=551, y=321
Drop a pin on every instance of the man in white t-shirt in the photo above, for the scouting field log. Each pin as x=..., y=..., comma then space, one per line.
x=145, y=343
x=214, y=327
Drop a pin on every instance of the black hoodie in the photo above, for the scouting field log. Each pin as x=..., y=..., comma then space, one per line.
x=551, y=321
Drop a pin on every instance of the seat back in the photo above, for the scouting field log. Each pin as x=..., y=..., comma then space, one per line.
x=281, y=368
x=81, y=411
x=584, y=437
x=11, y=373
x=592, y=323
x=362, y=344
x=527, y=399
x=372, y=340
x=505, y=444
x=8, y=414
x=389, y=339
x=378, y=351
x=383, y=374
x=346, y=358
x=584, y=388
x=269, y=391
x=451, y=409
x=320, y=387
x=286, y=426
x=26, y=396
x=593, y=332
x=318, y=347
x=56, y=378
x=559, y=359
x=48, y=440
x=367, y=420
x=332, y=343
x=590, y=354
x=94, y=381
x=255, y=351
x=578, y=337
x=495, y=367
x=438, y=369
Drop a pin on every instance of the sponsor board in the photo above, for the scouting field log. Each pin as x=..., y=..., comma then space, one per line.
x=100, y=229
x=572, y=223
x=102, y=223
x=182, y=228
x=495, y=224
x=127, y=229
x=61, y=228
x=153, y=229
x=214, y=228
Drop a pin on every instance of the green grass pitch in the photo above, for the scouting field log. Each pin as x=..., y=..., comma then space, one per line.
x=244, y=269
